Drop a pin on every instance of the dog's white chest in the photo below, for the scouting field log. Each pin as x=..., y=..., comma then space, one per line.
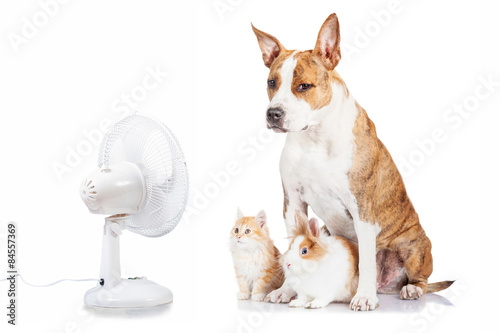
x=315, y=172
x=321, y=181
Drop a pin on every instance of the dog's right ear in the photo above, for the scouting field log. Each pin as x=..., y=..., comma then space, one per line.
x=269, y=45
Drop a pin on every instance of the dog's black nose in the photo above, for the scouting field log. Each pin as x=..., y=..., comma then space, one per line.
x=273, y=115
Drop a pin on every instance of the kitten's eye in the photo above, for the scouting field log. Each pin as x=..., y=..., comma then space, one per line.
x=304, y=87
x=236, y=230
x=304, y=251
x=271, y=84
x=248, y=231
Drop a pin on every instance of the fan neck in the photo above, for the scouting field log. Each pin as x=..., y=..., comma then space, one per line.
x=118, y=218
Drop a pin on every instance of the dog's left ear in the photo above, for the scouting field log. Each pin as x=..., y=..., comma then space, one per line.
x=269, y=45
x=328, y=42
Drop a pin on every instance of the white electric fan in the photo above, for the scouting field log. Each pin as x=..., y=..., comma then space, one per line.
x=142, y=184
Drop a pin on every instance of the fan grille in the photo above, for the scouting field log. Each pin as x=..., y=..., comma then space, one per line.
x=151, y=146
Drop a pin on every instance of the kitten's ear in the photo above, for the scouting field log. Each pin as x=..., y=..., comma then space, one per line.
x=314, y=226
x=261, y=218
x=239, y=214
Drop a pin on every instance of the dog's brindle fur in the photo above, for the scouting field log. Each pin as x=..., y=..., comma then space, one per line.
x=374, y=171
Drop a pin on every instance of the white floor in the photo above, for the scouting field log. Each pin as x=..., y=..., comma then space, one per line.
x=450, y=310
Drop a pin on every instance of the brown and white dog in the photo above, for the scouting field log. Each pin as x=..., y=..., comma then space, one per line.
x=334, y=162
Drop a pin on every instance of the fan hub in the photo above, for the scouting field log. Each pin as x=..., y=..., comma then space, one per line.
x=114, y=189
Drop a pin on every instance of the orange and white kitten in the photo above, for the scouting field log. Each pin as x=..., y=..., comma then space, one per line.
x=257, y=262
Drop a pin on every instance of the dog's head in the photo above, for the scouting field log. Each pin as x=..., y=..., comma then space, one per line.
x=299, y=82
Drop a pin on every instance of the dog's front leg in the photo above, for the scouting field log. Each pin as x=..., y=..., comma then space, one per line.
x=366, y=296
x=284, y=294
x=292, y=204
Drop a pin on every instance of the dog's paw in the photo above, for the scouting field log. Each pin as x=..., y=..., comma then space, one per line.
x=411, y=292
x=364, y=302
x=281, y=295
x=258, y=297
x=316, y=304
x=296, y=303
x=243, y=296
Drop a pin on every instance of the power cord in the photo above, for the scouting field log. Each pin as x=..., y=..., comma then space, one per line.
x=51, y=284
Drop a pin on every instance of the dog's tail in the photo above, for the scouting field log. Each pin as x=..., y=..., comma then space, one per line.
x=438, y=286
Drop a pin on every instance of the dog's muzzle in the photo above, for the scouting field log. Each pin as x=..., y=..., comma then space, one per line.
x=275, y=119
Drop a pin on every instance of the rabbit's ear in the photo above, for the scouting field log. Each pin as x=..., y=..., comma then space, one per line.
x=300, y=227
x=314, y=226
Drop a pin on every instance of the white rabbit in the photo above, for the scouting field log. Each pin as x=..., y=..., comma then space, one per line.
x=321, y=268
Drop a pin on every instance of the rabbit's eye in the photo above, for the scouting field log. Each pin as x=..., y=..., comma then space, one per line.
x=304, y=251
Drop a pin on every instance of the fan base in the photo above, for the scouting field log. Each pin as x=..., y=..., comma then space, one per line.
x=129, y=293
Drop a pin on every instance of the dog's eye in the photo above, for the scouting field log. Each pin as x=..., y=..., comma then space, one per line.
x=271, y=84
x=304, y=87
x=304, y=251
x=236, y=230
x=248, y=231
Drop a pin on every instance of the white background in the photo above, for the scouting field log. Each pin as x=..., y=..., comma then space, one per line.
x=74, y=70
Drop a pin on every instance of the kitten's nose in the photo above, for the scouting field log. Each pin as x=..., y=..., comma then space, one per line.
x=287, y=265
